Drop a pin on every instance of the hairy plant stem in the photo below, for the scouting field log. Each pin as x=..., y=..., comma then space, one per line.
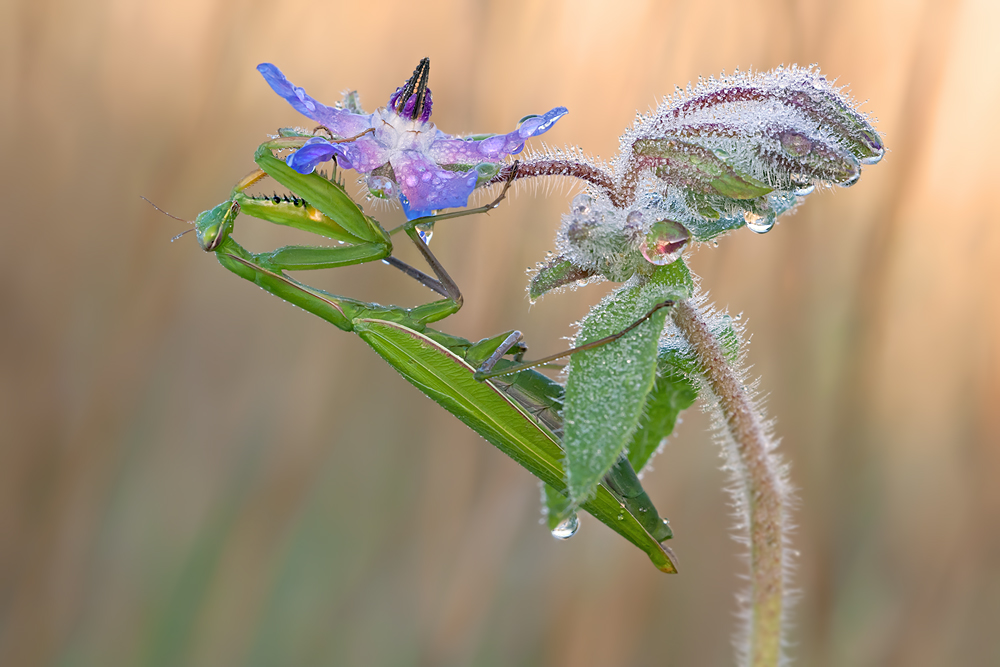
x=763, y=490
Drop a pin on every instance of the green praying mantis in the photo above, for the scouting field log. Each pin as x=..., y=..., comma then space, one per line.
x=485, y=384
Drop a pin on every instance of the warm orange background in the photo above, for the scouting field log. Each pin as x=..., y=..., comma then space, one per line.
x=195, y=473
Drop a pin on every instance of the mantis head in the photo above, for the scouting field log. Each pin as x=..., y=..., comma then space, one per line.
x=213, y=226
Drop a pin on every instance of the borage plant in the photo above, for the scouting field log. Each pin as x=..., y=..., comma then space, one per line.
x=733, y=152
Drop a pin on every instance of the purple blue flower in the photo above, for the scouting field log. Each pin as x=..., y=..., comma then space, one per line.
x=404, y=153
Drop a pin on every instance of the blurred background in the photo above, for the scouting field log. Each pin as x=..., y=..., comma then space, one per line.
x=193, y=472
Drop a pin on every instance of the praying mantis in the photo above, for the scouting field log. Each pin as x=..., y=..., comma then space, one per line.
x=517, y=409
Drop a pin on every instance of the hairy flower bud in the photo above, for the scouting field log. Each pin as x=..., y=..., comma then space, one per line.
x=740, y=146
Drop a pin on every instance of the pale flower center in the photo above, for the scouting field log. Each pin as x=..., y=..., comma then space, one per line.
x=395, y=132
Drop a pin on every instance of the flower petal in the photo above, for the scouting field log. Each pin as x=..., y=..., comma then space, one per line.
x=341, y=123
x=426, y=187
x=317, y=150
x=365, y=154
x=495, y=148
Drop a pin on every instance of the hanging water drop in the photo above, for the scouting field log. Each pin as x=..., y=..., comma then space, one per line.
x=804, y=190
x=566, y=528
x=664, y=242
x=851, y=181
x=759, y=224
x=426, y=232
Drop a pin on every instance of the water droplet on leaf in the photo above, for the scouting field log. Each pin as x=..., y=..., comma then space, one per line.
x=759, y=224
x=566, y=528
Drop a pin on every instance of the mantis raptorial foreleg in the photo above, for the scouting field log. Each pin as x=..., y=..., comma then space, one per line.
x=321, y=206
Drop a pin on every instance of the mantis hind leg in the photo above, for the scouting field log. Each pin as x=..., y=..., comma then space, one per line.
x=485, y=371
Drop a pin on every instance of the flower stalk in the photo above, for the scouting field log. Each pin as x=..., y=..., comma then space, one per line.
x=762, y=496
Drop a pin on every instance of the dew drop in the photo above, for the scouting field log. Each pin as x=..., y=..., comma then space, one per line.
x=381, y=187
x=851, y=181
x=582, y=204
x=664, y=242
x=877, y=148
x=566, y=528
x=795, y=144
x=759, y=224
x=715, y=243
x=426, y=232
x=804, y=190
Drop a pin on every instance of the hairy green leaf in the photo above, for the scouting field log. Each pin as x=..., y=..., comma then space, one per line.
x=607, y=386
x=671, y=393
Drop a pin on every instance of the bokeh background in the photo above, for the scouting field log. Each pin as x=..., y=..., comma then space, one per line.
x=195, y=473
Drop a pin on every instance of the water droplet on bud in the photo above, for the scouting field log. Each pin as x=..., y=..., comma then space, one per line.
x=851, y=181
x=581, y=204
x=759, y=224
x=566, y=528
x=664, y=242
x=795, y=144
x=804, y=190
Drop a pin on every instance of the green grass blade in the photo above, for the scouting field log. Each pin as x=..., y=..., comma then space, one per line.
x=448, y=380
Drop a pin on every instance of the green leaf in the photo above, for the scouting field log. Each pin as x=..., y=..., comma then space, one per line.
x=554, y=274
x=697, y=168
x=448, y=380
x=672, y=393
x=607, y=386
